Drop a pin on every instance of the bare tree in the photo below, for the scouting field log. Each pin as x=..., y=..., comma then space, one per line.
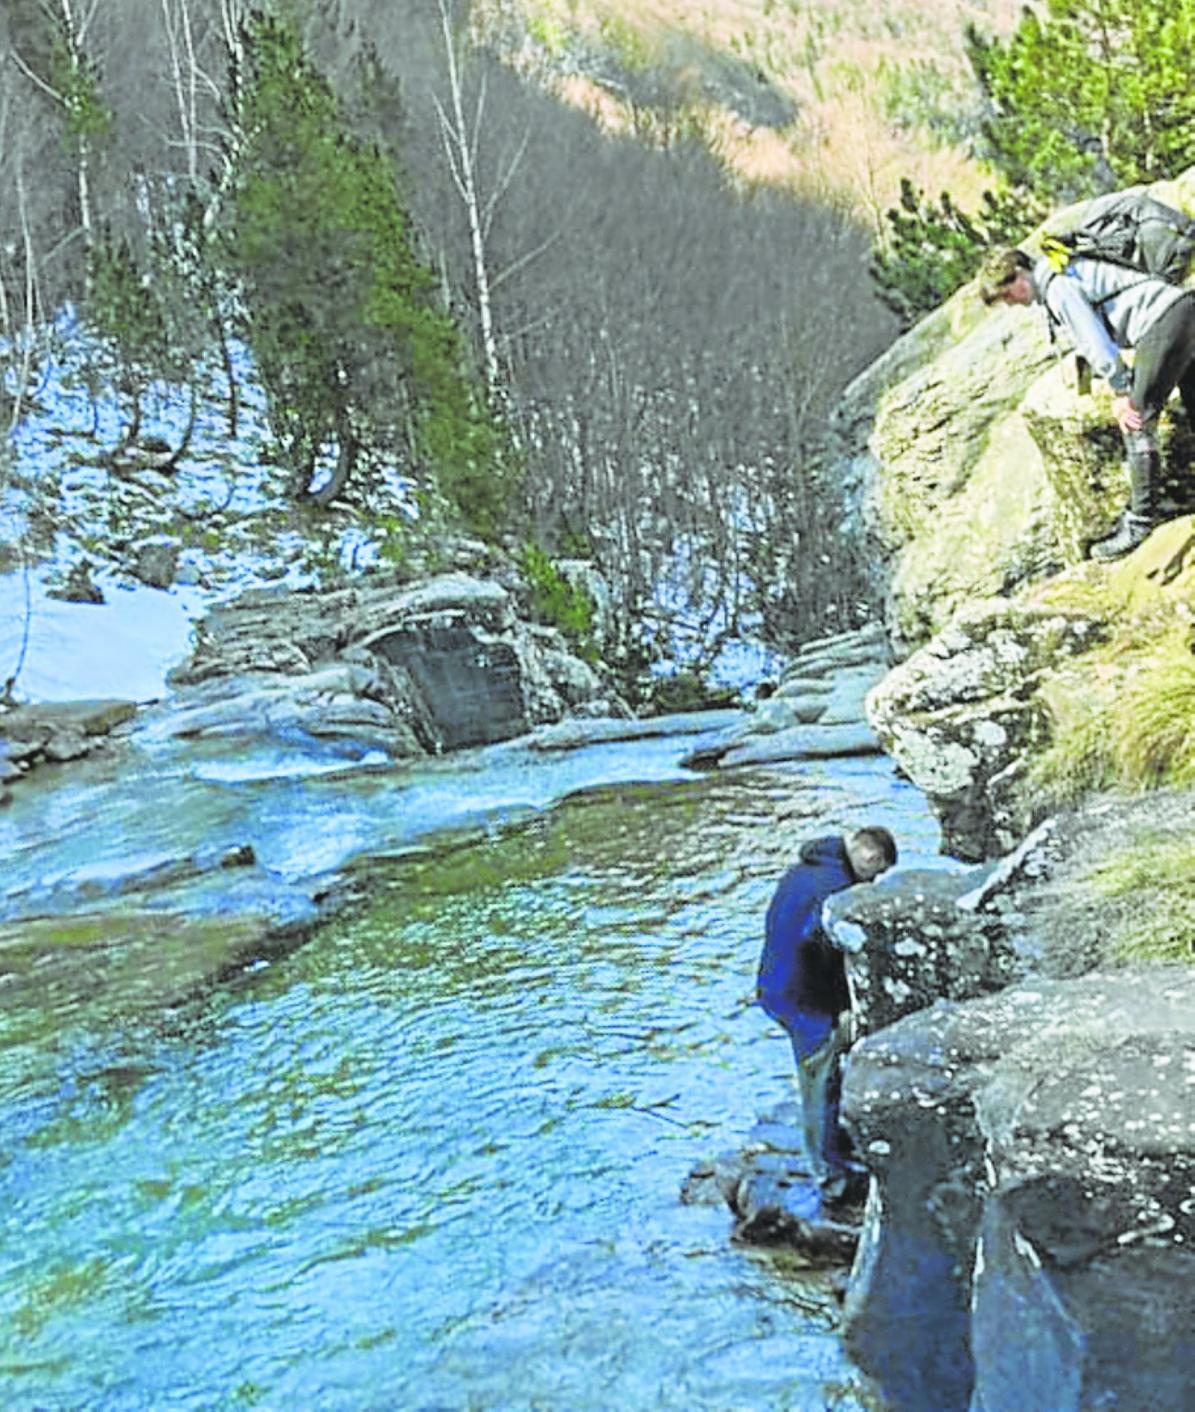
x=68, y=79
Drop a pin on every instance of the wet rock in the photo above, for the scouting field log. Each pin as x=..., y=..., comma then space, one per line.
x=766, y=1184
x=813, y=742
x=792, y=708
x=575, y=732
x=64, y=746
x=417, y=668
x=88, y=718
x=714, y=1181
x=343, y=702
x=242, y=856
x=141, y=878
x=1034, y=1160
x=9, y=769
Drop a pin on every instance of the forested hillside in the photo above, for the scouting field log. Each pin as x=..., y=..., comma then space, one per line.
x=839, y=99
x=559, y=336
x=583, y=280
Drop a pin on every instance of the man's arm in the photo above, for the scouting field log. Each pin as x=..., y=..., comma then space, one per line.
x=1066, y=300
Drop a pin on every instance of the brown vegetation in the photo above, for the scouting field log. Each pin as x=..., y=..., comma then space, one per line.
x=831, y=99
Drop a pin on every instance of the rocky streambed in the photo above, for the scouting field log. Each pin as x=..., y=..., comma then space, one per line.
x=1021, y=1097
x=238, y=1169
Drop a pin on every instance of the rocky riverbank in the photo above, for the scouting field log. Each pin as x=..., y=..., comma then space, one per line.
x=1025, y=1100
x=1023, y=1096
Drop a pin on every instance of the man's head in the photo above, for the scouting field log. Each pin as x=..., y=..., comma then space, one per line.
x=1004, y=278
x=871, y=851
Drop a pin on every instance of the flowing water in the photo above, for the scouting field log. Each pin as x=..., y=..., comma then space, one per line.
x=431, y=1158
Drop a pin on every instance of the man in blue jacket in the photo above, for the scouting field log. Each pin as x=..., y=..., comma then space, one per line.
x=802, y=982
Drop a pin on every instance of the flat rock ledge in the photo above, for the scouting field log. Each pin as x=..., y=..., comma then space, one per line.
x=54, y=733
x=817, y=711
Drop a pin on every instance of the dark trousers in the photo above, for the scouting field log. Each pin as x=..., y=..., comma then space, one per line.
x=819, y=1079
x=1166, y=360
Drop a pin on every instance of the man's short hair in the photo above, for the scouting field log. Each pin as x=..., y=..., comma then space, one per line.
x=999, y=270
x=878, y=838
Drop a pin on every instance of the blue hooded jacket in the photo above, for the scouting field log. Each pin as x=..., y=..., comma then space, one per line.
x=802, y=976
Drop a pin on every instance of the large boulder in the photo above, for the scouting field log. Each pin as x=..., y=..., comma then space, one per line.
x=436, y=665
x=962, y=714
x=1033, y=1205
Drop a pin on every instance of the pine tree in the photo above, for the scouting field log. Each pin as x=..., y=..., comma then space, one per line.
x=349, y=341
x=935, y=247
x=1089, y=95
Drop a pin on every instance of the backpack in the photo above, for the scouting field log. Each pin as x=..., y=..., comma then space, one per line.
x=1129, y=228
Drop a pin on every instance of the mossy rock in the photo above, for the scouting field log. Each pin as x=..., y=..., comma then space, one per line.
x=994, y=470
x=115, y=964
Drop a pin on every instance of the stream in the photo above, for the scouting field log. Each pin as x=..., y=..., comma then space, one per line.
x=430, y=1158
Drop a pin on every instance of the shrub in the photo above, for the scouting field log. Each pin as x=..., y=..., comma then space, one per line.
x=559, y=603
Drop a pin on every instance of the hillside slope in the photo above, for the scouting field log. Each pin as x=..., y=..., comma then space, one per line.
x=835, y=98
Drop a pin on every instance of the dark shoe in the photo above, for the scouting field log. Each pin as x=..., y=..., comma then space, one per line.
x=1129, y=531
x=846, y=1185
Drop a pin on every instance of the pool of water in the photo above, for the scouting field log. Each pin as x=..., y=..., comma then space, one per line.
x=431, y=1159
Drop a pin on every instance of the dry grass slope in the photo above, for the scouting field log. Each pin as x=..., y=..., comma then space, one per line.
x=833, y=98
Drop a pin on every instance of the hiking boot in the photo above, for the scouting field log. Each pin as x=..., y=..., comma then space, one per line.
x=1128, y=532
x=846, y=1184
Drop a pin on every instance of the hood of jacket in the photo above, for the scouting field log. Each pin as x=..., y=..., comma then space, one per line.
x=829, y=851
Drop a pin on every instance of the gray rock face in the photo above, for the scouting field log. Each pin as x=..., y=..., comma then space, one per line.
x=467, y=683
x=1034, y=1203
x=438, y=665
x=960, y=717
x=914, y=945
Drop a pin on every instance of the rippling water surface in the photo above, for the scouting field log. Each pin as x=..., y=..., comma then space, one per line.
x=431, y=1159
